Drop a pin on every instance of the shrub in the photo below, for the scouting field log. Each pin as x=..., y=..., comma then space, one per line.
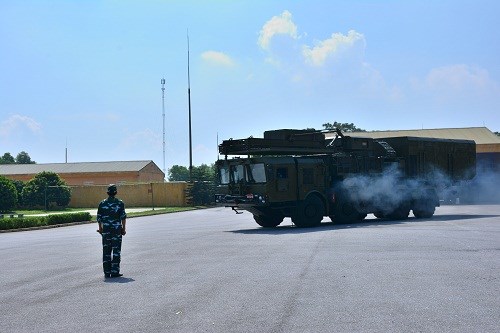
x=23, y=222
x=68, y=218
x=8, y=195
x=35, y=221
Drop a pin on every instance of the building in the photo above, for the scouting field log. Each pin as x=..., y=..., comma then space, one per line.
x=89, y=173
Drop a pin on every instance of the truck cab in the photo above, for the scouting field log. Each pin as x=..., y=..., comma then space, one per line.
x=270, y=187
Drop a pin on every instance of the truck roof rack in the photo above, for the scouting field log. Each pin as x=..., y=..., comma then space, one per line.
x=278, y=142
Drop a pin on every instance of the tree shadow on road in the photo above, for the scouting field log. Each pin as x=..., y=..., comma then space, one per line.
x=328, y=226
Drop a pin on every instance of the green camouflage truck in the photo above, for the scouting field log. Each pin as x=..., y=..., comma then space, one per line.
x=301, y=175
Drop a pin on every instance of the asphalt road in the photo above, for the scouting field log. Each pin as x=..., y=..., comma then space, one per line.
x=214, y=271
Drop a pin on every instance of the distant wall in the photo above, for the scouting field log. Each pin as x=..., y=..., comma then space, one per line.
x=488, y=148
x=147, y=175
x=134, y=195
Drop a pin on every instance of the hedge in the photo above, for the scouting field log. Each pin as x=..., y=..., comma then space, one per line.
x=37, y=221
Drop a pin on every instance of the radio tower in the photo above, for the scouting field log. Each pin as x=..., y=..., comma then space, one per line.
x=163, y=113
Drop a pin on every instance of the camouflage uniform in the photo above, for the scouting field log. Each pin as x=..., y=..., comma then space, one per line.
x=110, y=214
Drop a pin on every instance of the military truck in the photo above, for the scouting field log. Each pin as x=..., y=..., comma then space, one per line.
x=302, y=175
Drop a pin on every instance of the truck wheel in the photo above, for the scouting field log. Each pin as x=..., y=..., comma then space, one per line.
x=268, y=221
x=309, y=213
x=424, y=208
x=401, y=213
x=345, y=212
x=424, y=213
x=379, y=215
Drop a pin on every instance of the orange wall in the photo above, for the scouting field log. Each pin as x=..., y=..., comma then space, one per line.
x=488, y=148
x=104, y=178
x=133, y=195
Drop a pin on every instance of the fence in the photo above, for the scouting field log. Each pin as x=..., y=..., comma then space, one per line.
x=134, y=195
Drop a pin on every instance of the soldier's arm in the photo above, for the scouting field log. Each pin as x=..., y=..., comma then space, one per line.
x=99, y=215
x=124, y=218
x=124, y=222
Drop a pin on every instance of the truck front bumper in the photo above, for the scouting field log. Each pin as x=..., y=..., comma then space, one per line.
x=248, y=200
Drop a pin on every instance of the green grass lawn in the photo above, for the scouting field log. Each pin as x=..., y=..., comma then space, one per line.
x=156, y=211
x=164, y=210
x=41, y=211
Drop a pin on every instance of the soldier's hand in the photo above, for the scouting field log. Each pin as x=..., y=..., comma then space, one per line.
x=124, y=232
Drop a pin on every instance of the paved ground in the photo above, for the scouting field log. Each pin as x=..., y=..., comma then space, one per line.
x=214, y=271
x=94, y=211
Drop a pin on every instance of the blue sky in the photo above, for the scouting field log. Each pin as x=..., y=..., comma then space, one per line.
x=86, y=74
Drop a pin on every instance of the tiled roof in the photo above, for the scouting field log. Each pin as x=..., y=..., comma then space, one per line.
x=81, y=167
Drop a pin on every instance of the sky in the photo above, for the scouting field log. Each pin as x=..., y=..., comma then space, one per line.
x=86, y=75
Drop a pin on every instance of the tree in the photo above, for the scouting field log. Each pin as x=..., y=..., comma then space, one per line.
x=8, y=193
x=204, y=173
x=45, y=189
x=497, y=133
x=203, y=187
x=24, y=158
x=343, y=127
x=178, y=173
x=19, y=184
x=7, y=158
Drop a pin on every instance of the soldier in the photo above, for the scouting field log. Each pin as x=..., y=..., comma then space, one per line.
x=111, y=217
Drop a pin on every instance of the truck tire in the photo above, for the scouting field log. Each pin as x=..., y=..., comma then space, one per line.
x=425, y=205
x=268, y=221
x=400, y=213
x=345, y=212
x=424, y=208
x=424, y=213
x=309, y=212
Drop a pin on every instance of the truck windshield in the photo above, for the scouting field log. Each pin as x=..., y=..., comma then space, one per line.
x=248, y=173
x=224, y=175
x=237, y=173
x=256, y=173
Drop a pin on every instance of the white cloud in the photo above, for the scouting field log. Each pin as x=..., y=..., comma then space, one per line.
x=277, y=25
x=16, y=123
x=337, y=43
x=336, y=62
x=141, y=139
x=455, y=78
x=218, y=58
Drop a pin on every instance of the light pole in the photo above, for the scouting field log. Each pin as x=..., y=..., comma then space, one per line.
x=189, y=106
x=163, y=113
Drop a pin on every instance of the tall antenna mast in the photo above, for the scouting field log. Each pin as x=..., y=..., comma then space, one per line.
x=163, y=113
x=189, y=105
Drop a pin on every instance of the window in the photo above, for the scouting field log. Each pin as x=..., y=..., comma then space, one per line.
x=224, y=175
x=237, y=173
x=256, y=173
